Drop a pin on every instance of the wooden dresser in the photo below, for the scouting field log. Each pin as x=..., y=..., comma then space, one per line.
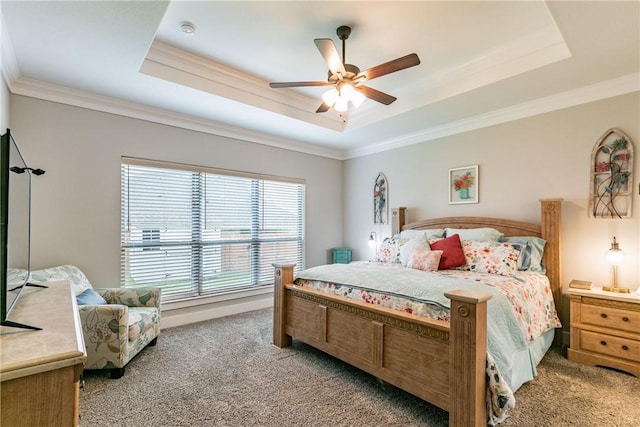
x=40, y=370
x=605, y=329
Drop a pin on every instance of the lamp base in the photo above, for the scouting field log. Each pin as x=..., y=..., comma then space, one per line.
x=616, y=289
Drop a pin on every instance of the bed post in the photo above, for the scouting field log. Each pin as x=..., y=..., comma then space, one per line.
x=283, y=275
x=398, y=219
x=467, y=358
x=551, y=219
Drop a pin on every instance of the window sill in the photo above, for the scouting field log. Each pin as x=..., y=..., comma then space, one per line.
x=212, y=299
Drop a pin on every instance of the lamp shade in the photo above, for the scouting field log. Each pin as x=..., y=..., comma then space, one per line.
x=615, y=256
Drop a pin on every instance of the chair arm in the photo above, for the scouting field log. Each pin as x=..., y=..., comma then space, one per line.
x=106, y=334
x=138, y=297
x=105, y=320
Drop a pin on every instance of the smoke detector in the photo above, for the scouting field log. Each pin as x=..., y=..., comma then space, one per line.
x=188, y=28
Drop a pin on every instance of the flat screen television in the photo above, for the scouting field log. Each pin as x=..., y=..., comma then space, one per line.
x=15, y=227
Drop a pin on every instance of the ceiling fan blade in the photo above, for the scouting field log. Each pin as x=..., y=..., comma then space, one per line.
x=331, y=56
x=299, y=84
x=389, y=67
x=323, y=108
x=376, y=95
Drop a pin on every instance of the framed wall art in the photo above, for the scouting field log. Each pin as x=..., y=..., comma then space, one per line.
x=380, y=197
x=612, y=159
x=463, y=185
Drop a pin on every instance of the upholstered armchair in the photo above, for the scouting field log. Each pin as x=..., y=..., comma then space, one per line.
x=117, y=323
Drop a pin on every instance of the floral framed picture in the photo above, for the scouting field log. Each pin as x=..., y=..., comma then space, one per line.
x=463, y=185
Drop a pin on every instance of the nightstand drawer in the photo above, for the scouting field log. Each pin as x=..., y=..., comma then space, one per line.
x=610, y=345
x=608, y=317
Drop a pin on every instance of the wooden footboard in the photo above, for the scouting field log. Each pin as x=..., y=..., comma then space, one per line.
x=442, y=363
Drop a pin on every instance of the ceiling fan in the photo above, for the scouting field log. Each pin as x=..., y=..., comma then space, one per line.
x=347, y=79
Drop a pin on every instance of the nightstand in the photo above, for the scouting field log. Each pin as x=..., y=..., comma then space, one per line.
x=341, y=255
x=605, y=329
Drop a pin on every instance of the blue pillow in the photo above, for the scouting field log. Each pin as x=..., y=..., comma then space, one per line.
x=531, y=257
x=90, y=297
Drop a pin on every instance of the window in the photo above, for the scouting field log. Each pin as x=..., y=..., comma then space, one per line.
x=151, y=235
x=196, y=231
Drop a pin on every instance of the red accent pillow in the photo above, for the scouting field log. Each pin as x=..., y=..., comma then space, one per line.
x=452, y=255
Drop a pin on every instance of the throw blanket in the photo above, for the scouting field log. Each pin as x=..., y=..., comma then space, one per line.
x=520, y=310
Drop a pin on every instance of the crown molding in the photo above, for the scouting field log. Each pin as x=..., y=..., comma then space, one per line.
x=603, y=90
x=515, y=57
x=36, y=89
x=64, y=95
x=535, y=50
x=187, y=69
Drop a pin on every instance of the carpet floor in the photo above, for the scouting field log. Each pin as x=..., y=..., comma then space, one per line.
x=226, y=372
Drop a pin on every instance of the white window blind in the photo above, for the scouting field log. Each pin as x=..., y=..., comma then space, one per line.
x=195, y=231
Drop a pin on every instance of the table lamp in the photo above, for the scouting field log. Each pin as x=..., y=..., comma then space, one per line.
x=615, y=257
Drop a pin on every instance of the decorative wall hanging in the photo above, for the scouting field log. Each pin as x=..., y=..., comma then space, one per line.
x=463, y=185
x=380, y=198
x=611, y=176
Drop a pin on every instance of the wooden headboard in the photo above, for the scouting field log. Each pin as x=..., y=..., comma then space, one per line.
x=549, y=229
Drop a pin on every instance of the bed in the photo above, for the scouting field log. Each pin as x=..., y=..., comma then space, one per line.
x=441, y=361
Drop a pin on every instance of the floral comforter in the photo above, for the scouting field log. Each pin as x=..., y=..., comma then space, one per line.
x=521, y=308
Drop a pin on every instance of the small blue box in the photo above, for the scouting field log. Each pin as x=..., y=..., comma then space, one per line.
x=341, y=255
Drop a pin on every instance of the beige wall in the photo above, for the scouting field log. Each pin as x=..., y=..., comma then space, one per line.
x=520, y=162
x=76, y=204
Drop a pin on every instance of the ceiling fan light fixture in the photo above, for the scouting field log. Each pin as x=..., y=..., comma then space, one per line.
x=341, y=104
x=331, y=96
x=357, y=98
x=350, y=94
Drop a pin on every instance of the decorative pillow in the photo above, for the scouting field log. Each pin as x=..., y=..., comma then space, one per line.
x=90, y=297
x=452, y=254
x=479, y=234
x=490, y=257
x=388, y=251
x=406, y=245
x=531, y=255
x=431, y=233
x=424, y=259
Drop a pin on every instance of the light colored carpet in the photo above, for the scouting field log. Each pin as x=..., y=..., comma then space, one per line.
x=226, y=372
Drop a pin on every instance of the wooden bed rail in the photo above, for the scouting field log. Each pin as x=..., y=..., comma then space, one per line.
x=459, y=389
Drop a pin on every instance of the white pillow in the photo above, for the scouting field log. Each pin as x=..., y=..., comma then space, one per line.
x=418, y=242
x=477, y=234
x=432, y=233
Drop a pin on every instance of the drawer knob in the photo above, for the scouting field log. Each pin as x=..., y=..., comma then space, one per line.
x=603, y=315
x=625, y=319
x=603, y=342
x=625, y=347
